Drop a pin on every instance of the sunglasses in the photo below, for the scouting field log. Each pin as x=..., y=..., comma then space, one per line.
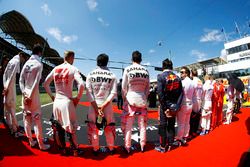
x=182, y=72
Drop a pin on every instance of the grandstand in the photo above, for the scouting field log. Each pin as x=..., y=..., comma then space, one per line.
x=17, y=34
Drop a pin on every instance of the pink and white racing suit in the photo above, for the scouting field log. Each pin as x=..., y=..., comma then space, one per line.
x=135, y=89
x=101, y=85
x=29, y=85
x=9, y=82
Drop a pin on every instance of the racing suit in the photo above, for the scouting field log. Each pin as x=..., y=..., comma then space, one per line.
x=101, y=85
x=221, y=93
x=9, y=81
x=29, y=84
x=183, y=116
x=196, y=113
x=166, y=128
x=207, y=105
x=230, y=104
x=215, y=104
x=64, y=110
x=135, y=89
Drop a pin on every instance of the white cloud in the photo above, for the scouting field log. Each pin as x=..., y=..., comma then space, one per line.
x=200, y=56
x=92, y=5
x=147, y=63
x=57, y=34
x=46, y=9
x=151, y=51
x=212, y=36
x=103, y=23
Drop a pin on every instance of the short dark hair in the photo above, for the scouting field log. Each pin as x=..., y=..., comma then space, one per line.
x=5, y=58
x=187, y=71
x=102, y=60
x=194, y=72
x=37, y=49
x=167, y=64
x=136, y=57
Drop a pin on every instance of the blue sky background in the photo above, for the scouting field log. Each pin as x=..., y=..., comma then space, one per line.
x=191, y=29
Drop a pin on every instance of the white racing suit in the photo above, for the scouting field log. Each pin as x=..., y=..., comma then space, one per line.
x=135, y=89
x=231, y=92
x=64, y=110
x=29, y=85
x=9, y=82
x=196, y=110
x=101, y=85
x=207, y=105
x=197, y=98
x=183, y=116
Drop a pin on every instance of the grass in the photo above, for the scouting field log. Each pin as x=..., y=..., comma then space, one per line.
x=44, y=99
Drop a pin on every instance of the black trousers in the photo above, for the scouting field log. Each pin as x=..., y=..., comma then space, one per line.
x=194, y=122
x=119, y=102
x=166, y=129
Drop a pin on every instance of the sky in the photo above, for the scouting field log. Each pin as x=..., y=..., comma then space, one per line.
x=186, y=31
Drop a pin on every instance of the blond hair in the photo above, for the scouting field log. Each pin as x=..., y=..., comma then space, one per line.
x=207, y=77
x=68, y=54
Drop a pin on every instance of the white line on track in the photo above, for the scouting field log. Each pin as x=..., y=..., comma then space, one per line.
x=20, y=112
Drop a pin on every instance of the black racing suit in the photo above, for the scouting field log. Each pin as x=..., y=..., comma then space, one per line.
x=169, y=93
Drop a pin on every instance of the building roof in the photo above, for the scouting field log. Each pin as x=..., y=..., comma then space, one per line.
x=19, y=28
x=204, y=64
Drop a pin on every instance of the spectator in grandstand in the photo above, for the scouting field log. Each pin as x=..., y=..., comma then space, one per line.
x=101, y=87
x=135, y=89
x=64, y=107
x=29, y=84
x=3, y=65
x=183, y=116
x=206, y=105
x=197, y=99
x=170, y=97
x=9, y=92
x=119, y=95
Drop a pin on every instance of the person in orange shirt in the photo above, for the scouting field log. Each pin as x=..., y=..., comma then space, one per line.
x=221, y=93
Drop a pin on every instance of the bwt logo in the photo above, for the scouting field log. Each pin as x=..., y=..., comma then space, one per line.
x=138, y=75
x=101, y=79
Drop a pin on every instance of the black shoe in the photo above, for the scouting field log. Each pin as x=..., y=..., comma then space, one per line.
x=183, y=141
x=112, y=152
x=77, y=152
x=63, y=151
x=95, y=153
x=177, y=143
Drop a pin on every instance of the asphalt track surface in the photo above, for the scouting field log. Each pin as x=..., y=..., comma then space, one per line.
x=152, y=135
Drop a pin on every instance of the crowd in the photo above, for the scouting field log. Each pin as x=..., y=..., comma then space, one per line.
x=196, y=107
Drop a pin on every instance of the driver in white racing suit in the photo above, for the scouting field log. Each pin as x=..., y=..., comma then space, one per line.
x=64, y=108
x=29, y=85
x=135, y=89
x=9, y=92
x=101, y=85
